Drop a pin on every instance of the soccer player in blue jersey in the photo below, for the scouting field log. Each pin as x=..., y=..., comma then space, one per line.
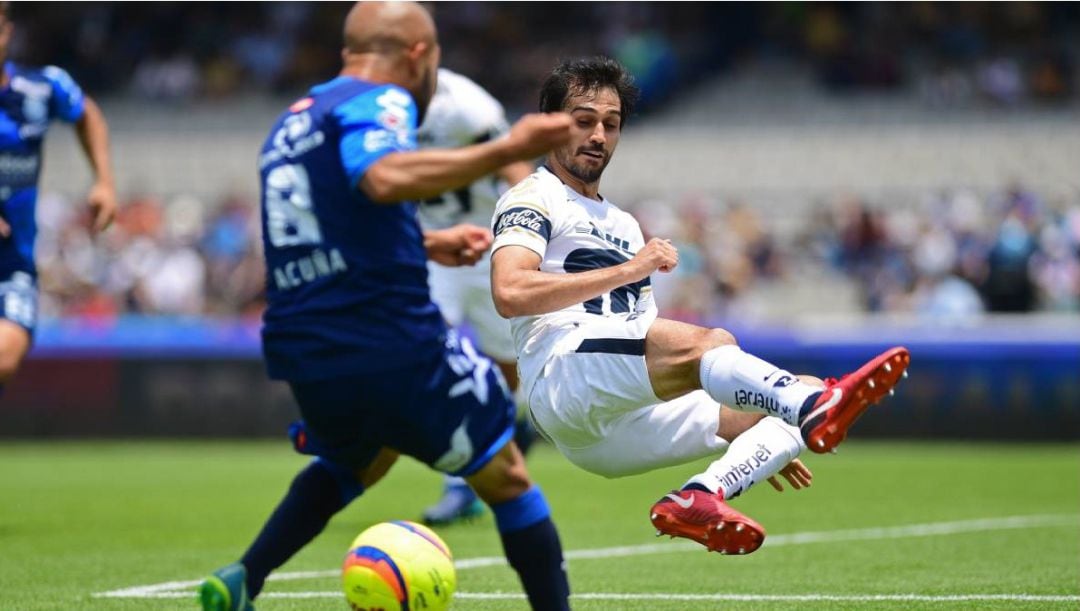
x=29, y=99
x=350, y=323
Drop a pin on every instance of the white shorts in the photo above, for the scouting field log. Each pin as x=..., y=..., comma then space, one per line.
x=463, y=294
x=594, y=401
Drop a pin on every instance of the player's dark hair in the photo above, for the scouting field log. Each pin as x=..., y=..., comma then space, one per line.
x=584, y=75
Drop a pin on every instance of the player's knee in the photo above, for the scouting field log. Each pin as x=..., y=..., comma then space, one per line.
x=711, y=339
x=811, y=380
x=716, y=338
x=503, y=478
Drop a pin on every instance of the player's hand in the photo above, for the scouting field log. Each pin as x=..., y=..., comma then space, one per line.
x=5, y=229
x=476, y=240
x=657, y=254
x=459, y=245
x=102, y=202
x=796, y=473
x=535, y=134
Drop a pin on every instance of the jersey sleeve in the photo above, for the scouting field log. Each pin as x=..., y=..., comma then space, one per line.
x=373, y=125
x=522, y=218
x=67, y=102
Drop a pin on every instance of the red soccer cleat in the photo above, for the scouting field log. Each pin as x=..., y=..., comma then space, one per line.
x=844, y=400
x=707, y=519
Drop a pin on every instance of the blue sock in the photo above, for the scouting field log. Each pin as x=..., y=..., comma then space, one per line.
x=532, y=548
x=317, y=493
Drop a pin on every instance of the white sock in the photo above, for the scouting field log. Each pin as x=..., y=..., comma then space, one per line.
x=756, y=455
x=744, y=382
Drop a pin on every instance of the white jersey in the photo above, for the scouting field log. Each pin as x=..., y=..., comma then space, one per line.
x=461, y=113
x=571, y=233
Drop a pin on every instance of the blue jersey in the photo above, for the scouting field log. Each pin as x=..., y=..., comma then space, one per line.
x=31, y=99
x=346, y=280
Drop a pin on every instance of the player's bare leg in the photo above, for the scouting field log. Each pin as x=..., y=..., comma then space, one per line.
x=682, y=358
x=14, y=344
x=528, y=535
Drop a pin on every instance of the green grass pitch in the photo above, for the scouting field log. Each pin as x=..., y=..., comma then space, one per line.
x=885, y=525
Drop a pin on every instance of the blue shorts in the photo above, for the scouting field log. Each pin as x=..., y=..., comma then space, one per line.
x=18, y=299
x=452, y=413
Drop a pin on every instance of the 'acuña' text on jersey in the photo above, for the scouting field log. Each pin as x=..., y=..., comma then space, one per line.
x=317, y=264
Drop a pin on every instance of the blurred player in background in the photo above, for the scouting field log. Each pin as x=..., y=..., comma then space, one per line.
x=350, y=324
x=29, y=99
x=460, y=114
x=619, y=390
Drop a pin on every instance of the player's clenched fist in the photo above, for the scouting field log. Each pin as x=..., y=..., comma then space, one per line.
x=537, y=133
x=458, y=245
x=657, y=254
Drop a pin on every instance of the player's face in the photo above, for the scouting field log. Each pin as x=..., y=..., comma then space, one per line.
x=595, y=129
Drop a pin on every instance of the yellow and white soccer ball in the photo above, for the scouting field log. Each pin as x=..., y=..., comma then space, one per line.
x=397, y=566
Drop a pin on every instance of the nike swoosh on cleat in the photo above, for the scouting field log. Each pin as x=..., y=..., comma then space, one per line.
x=684, y=503
x=837, y=394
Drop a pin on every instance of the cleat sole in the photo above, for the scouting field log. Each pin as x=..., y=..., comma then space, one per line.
x=877, y=383
x=742, y=539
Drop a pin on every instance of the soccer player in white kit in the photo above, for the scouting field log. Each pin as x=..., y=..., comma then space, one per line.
x=462, y=113
x=620, y=391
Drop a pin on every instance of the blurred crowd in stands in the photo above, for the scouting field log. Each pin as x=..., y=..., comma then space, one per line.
x=171, y=258
x=954, y=255
x=955, y=54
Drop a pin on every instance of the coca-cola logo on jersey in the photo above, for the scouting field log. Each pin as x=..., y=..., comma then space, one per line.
x=525, y=218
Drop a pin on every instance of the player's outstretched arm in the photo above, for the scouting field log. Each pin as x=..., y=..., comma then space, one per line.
x=416, y=175
x=519, y=288
x=516, y=172
x=93, y=134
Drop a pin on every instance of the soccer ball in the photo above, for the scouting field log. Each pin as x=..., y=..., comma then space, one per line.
x=398, y=565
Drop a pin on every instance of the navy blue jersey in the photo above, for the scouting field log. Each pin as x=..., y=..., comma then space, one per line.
x=346, y=282
x=32, y=98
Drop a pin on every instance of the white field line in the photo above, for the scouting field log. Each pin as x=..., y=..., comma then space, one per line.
x=941, y=598
x=171, y=589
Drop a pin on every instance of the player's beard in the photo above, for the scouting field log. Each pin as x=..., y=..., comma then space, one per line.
x=581, y=172
x=427, y=91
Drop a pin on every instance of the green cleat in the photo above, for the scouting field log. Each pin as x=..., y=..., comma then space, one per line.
x=226, y=590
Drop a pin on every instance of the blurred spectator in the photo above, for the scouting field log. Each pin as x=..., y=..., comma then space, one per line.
x=958, y=255
x=955, y=53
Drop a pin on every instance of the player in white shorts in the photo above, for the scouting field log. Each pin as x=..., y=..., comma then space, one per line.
x=463, y=113
x=620, y=391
